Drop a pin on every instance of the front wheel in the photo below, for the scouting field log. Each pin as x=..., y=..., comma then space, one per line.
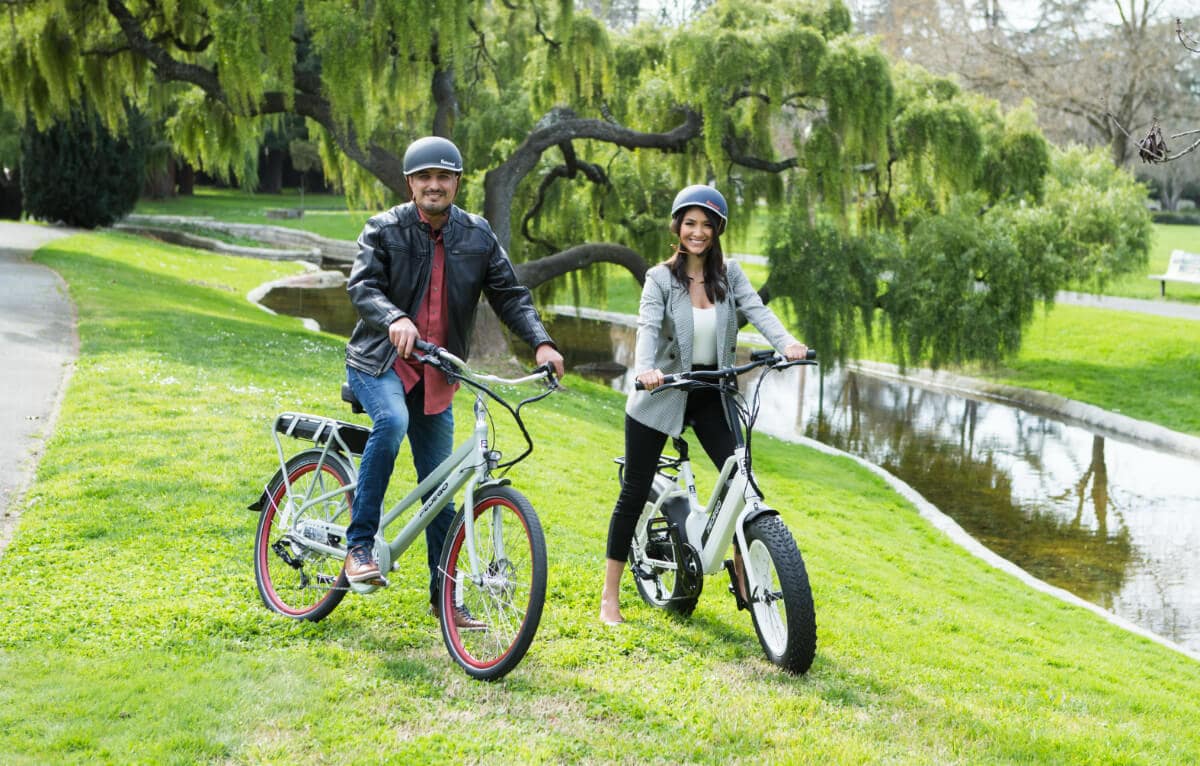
x=504, y=598
x=780, y=597
x=294, y=579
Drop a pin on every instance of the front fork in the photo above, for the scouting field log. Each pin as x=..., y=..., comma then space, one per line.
x=483, y=477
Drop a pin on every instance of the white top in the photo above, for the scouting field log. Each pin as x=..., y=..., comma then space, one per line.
x=704, y=335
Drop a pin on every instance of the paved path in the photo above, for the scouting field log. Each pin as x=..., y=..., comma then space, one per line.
x=38, y=345
x=1158, y=308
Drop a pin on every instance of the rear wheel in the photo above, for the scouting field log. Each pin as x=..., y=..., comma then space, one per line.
x=507, y=594
x=780, y=596
x=661, y=581
x=293, y=579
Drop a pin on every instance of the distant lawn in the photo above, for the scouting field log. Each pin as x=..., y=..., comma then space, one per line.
x=324, y=214
x=1167, y=237
x=1143, y=366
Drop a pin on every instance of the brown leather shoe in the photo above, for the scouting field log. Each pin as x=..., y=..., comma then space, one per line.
x=360, y=565
x=463, y=619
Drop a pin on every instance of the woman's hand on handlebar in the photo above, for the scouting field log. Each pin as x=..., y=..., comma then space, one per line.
x=795, y=352
x=403, y=335
x=651, y=379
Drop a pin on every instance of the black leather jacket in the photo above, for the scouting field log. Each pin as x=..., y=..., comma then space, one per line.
x=392, y=271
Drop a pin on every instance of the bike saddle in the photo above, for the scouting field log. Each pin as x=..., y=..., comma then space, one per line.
x=349, y=397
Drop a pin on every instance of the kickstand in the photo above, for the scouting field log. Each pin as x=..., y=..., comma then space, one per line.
x=733, y=586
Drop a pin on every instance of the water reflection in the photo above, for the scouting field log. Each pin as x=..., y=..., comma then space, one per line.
x=1113, y=522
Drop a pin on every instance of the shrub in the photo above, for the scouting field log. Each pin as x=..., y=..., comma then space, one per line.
x=79, y=173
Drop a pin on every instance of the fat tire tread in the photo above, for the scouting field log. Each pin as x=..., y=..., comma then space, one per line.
x=801, y=645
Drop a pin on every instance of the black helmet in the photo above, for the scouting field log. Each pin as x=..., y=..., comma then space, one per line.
x=432, y=152
x=701, y=195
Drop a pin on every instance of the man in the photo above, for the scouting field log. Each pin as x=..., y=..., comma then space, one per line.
x=420, y=271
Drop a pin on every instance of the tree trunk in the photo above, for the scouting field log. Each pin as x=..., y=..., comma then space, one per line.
x=185, y=179
x=10, y=194
x=161, y=185
x=270, y=171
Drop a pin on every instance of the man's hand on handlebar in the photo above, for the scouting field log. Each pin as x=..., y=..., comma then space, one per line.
x=548, y=354
x=403, y=335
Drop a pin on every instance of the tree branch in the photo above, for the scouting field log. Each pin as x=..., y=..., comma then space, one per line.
x=558, y=126
x=736, y=156
x=534, y=273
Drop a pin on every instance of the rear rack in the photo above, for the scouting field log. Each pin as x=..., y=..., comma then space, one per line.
x=345, y=437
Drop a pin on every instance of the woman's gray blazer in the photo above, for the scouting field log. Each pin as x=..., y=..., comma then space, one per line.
x=664, y=339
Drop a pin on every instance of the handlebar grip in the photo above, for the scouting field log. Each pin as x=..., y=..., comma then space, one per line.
x=672, y=378
x=812, y=354
x=426, y=346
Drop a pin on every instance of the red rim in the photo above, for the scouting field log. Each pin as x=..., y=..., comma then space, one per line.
x=447, y=597
x=265, y=546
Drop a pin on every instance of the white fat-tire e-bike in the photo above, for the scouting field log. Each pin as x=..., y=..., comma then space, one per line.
x=677, y=542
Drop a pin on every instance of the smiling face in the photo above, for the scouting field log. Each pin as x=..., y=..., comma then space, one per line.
x=696, y=231
x=433, y=191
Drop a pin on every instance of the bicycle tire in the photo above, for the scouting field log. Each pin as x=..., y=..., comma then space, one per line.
x=661, y=587
x=509, y=600
x=781, y=602
x=293, y=580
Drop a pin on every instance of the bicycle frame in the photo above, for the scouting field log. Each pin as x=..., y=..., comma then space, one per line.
x=733, y=501
x=468, y=468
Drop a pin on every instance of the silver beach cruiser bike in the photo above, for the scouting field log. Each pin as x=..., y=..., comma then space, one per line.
x=494, y=558
x=678, y=541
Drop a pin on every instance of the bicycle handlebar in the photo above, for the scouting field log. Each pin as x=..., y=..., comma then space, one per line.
x=765, y=358
x=439, y=357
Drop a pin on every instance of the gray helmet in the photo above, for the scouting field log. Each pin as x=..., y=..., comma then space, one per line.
x=701, y=195
x=432, y=152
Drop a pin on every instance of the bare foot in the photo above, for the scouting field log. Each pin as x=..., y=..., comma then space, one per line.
x=610, y=611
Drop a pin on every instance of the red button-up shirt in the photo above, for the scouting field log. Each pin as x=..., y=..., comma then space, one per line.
x=431, y=324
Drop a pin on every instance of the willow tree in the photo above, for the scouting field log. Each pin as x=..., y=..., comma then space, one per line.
x=576, y=136
x=573, y=134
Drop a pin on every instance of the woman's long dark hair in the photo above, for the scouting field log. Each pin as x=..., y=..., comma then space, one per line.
x=714, y=261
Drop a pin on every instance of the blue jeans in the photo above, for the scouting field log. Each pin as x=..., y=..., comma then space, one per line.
x=395, y=413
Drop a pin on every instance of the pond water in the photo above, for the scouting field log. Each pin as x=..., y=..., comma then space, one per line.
x=1115, y=523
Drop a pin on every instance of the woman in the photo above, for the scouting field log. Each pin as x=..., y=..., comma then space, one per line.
x=687, y=321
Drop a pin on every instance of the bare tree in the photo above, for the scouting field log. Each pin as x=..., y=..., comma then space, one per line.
x=1081, y=72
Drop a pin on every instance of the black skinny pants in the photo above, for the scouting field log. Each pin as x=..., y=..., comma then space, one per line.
x=644, y=445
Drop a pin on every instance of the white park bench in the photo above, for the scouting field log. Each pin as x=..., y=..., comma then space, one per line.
x=1183, y=267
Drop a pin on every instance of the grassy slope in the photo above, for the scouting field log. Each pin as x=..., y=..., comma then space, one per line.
x=132, y=631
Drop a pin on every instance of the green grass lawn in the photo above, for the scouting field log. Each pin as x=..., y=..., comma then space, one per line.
x=324, y=214
x=132, y=631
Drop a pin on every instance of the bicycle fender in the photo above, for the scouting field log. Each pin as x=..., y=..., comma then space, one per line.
x=750, y=514
x=493, y=483
x=261, y=502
